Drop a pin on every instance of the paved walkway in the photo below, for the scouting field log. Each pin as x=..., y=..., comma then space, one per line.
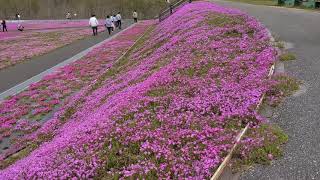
x=15, y=78
x=299, y=116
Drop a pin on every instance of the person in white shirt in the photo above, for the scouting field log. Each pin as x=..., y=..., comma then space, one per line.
x=68, y=16
x=18, y=17
x=114, y=21
x=109, y=24
x=119, y=20
x=135, y=16
x=93, y=22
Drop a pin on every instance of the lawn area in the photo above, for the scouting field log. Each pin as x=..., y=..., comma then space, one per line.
x=170, y=108
x=258, y=2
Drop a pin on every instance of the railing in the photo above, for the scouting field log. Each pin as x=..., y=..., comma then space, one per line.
x=172, y=7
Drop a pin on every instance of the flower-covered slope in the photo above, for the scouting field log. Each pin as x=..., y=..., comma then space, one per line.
x=169, y=109
x=24, y=113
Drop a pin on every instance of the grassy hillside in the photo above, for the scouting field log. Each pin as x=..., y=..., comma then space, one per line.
x=258, y=2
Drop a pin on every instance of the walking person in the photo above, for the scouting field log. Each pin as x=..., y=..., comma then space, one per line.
x=93, y=22
x=135, y=16
x=113, y=26
x=4, y=25
x=109, y=24
x=119, y=20
x=20, y=27
x=68, y=16
x=170, y=6
x=115, y=21
x=18, y=17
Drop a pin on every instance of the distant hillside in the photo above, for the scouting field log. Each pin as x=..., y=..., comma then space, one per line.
x=56, y=9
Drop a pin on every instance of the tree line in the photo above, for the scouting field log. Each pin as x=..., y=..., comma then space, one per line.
x=57, y=9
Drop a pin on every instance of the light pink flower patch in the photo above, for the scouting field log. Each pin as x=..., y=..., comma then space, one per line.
x=38, y=39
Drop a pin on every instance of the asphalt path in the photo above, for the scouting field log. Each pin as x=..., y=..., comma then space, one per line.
x=299, y=116
x=15, y=75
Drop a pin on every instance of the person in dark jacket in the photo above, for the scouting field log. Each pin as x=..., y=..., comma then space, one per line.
x=4, y=26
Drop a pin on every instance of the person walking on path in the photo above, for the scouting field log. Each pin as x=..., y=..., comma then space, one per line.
x=119, y=20
x=20, y=27
x=170, y=6
x=135, y=16
x=4, y=25
x=114, y=20
x=18, y=17
x=109, y=24
x=93, y=22
x=68, y=16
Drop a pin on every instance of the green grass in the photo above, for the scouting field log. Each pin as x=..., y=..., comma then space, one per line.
x=273, y=137
x=280, y=45
x=286, y=84
x=273, y=3
x=257, y=2
x=219, y=20
x=158, y=92
x=287, y=57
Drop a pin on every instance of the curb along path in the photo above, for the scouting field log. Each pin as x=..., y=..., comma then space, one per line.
x=299, y=115
x=242, y=133
x=225, y=162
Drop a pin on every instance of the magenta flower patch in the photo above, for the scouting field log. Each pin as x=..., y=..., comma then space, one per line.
x=169, y=109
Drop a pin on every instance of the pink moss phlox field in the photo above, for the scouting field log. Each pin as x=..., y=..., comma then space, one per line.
x=40, y=100
x=48, y=24
x=171, y=110
x=38, y=39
